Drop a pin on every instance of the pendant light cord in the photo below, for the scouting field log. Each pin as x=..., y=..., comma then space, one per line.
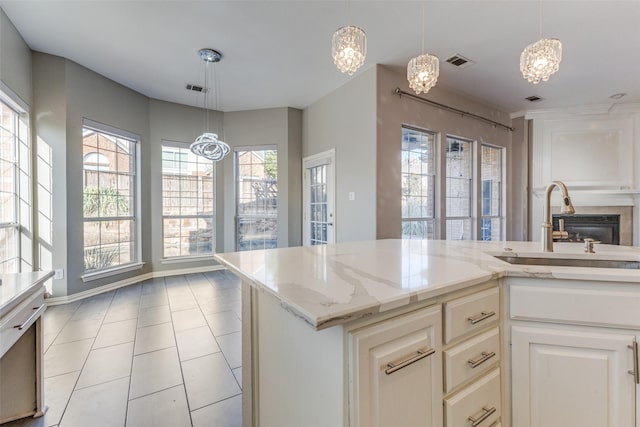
x=540, y=17
x=206, y=89
x=423, y=27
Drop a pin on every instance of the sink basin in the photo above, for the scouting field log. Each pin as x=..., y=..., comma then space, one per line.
x=571, y=262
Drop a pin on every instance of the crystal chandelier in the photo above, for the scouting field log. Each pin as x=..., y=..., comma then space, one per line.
x=423, y=70
x=540, y=60
x=208, y=145
x=349, y=48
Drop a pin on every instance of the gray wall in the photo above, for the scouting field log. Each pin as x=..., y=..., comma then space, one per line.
x=66, y=94
x=49, y=118
x=394, y=111
x=346, y=120
x=15, y=60
x=278, y=127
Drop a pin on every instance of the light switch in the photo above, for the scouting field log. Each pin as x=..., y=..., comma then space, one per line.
x=352, y=195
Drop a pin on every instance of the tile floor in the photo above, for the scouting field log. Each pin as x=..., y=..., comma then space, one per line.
x=164, y=352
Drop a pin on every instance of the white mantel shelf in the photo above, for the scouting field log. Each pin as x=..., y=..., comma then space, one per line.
x=334, y=284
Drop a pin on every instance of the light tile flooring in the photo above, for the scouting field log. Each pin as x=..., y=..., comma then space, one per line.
x=164, y=352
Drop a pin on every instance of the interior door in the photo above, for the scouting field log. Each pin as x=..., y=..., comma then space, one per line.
x=318, y=198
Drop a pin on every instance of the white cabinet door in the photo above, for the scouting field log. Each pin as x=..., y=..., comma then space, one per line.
x=572, y=378
x=396, y=371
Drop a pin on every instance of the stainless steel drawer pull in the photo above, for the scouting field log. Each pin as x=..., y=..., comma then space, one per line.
x=484, y=356
x=636, y=367
x=420, y=354
x=480, y=317
x=486, y=413
x=36, y=313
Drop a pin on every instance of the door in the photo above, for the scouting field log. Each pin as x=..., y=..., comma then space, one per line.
x=572, y=378
x=395, y=371
x=318, y=198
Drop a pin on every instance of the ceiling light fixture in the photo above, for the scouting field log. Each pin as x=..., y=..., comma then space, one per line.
x=349, y=47
x=423, y=70
x=541, y=59
x=208, y=145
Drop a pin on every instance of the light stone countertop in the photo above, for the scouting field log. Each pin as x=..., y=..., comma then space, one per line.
x=333, y=284
x=15, y=288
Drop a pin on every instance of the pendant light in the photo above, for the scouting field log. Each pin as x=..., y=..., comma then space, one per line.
x=541, y=59
x=423, y=70
x=349, y=47
x=208, y=145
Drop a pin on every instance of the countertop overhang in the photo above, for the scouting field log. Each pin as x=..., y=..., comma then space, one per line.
x=15, y=288
x=332, y=284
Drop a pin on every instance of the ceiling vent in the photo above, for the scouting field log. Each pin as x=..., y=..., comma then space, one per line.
x=534, y=98
x=460, y=61
x=196, y=88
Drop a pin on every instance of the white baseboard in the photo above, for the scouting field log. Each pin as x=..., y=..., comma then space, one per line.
x=126, y=282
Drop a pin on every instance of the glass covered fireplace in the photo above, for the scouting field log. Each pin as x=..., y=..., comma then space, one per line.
x=602, y=228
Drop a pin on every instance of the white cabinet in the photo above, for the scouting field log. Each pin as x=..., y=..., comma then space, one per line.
x=565, y=371
x=396, y=371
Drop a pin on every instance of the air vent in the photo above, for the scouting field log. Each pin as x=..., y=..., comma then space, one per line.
x=460, y=61
x=534, y=98
x=196, y=88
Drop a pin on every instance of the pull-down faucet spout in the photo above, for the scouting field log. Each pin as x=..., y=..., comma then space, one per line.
x=548, y=233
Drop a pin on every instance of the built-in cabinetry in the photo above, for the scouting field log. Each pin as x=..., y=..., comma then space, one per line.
x=436, y=366
x=574, y=353
x=21, y=308
x=472, y=355
x=396, y=371
x=432, y=363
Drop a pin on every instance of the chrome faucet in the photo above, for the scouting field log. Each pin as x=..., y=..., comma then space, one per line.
x=548, y=233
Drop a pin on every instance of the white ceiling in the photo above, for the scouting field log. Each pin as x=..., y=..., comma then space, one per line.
x=277, y=53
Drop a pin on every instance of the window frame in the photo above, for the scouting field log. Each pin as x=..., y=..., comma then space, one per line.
x=189, y=257
x=434, y=182
x=236, y=151
x=473, y=191
x=136, y=262
x=502, y=191
x=22, y=189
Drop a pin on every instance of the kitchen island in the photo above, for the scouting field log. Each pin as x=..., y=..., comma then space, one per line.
x=313, y=317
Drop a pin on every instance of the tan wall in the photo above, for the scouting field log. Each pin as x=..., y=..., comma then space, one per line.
x=393, y=112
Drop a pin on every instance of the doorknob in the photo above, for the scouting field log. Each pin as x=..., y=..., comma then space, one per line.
x=330, y=223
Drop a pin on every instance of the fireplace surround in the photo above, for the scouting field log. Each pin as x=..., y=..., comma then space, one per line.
x=602, y=228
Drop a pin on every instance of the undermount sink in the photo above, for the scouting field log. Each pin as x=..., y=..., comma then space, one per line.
x=571, y=262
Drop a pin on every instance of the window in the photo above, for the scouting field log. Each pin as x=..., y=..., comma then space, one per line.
x=256, y=199
x=188, y=196
x=109, y=199
x=418, y=184
x=491, y=175
x=459, y=189
x=15, y=186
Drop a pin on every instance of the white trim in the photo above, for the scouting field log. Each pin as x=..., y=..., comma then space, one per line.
x=177, y=259
x=87, y=277
x=126, y=282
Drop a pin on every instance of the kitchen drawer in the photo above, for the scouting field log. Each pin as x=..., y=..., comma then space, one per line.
x=471, y=358
x=603, y=305
x=478, y=403
x=18, y=320
x=467, y=314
